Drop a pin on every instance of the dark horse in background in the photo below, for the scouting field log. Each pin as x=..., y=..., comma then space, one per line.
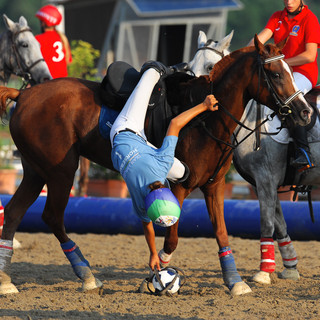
x=20, y=53
x=56, y=122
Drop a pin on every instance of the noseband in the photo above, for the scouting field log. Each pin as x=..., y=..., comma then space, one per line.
x=284, y=108
x=206, y=47
x=23, y=72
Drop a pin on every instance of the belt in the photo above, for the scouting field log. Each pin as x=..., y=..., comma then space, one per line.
x=127, y=129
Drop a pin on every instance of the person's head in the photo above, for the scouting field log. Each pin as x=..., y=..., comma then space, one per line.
x=162, y=206
x=293, y=7
x=49, y=16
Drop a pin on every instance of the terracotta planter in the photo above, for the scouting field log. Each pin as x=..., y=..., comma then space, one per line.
x=8, y=181
x=228, y=191
x=107, y=188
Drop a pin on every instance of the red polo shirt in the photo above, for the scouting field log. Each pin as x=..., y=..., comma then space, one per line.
x=53, y=53
x=303, y=28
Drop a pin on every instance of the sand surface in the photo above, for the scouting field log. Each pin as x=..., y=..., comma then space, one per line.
x=50, y=290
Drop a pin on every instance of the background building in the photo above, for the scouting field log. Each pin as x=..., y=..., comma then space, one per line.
x=139, y=30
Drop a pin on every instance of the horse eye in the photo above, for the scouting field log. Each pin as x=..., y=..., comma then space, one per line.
x=24, y=45
x=209, y=68
x=275, y=75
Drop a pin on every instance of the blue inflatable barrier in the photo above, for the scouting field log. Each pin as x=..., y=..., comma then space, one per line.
x=114, y=215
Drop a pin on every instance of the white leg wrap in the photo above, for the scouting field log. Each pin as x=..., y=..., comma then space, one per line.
x=6, y=252
x=288, y=253
x=164, y=258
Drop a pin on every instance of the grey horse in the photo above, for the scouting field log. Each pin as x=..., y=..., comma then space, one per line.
x=20, y=53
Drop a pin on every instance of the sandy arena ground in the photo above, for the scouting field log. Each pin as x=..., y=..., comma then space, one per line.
x=50, y=290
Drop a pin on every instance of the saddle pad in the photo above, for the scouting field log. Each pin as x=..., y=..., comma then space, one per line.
x=106, y=120
x=274, y=126
x=283, y=136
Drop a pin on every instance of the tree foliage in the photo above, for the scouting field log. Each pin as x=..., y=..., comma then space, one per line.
x=84, y=58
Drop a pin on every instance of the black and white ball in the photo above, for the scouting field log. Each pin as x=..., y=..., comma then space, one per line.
x=167, y=276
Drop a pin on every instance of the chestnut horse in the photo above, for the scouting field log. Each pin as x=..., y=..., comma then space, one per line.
x=56, y=122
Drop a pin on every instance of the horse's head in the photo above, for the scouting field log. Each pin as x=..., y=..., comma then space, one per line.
x=209, y=53
x=275, y=85
x=26, y=59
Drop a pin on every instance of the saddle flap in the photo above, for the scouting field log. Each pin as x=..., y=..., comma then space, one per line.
x=122, y=78
x=118, y=83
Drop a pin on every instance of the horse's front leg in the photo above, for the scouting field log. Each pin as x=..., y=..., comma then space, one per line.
x=286, y=248
x=214, y=197
x=267, y=194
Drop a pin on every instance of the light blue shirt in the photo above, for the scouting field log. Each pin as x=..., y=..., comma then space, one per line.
x=140, y=165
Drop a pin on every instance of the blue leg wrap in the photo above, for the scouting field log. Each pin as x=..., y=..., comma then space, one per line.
x=80, y=265
x=228, y=266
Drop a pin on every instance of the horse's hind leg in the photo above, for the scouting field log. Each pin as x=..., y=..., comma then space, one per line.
x=83, y=178
x=25, y=195
x=59, y=187
x=287, y=251
x=214, y=197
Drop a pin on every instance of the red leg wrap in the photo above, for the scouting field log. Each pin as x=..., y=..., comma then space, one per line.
x=267, y=255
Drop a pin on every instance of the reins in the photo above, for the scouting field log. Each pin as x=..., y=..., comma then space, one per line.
x=283, y=110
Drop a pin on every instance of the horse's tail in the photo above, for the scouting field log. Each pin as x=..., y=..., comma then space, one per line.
x=5, y=94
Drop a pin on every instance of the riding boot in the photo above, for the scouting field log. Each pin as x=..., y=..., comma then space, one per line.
x=303, y=155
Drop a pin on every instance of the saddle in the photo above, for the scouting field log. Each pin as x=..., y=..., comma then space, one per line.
x=115, y=89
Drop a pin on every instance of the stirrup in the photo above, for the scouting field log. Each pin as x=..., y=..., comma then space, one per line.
x=303, y=161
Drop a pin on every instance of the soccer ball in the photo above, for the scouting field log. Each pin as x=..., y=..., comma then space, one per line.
x=167, y=276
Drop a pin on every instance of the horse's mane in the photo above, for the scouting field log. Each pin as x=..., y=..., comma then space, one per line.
x=221, y=67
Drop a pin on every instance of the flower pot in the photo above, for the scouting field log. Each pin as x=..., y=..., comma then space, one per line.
x=107, y=188
x=8, y=181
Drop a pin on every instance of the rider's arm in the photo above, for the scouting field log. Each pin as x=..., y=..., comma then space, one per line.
x=265, y=35
x=307, y=56
x=149, y=234
x=183, y=118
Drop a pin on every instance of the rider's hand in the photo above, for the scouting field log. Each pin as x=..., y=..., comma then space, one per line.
x=154, y=262
x=211, y=103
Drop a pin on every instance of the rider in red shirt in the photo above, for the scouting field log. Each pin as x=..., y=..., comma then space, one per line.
x=55, y=46
x=300, y=26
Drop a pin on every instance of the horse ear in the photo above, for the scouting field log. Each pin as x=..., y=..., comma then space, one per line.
x=259, y=46
x=226, y=41
x=23, y=22
x=10, y=25
x=202, y=39
x=282, y=43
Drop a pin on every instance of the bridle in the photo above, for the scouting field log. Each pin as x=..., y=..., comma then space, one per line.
x=206, y=47
x=23, y=69
x=284, y=108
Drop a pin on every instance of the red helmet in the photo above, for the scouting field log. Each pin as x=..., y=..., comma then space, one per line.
x=50, y=15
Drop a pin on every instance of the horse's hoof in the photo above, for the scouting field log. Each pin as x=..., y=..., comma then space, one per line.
x=240, y=288
x=91, y=284
x=8, y=288
x=290, y=274
x=16, y=244
x=262, y=277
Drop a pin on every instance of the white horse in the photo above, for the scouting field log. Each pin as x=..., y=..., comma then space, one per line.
x=20, y=53
x=209, y=53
